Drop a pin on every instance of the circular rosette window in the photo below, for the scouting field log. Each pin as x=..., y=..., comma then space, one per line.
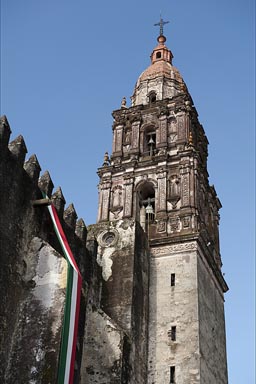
x=108, y=238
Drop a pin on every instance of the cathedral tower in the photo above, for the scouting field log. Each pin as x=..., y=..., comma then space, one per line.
x=157, y=177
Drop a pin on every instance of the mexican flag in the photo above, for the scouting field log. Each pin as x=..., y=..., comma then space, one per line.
x=72, y=306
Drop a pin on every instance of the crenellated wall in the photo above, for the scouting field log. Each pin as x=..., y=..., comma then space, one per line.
x=33, y=271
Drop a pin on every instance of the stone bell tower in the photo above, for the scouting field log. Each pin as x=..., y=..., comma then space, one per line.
x=157, y=176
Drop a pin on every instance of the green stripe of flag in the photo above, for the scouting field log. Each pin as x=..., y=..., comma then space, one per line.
x=66, y=325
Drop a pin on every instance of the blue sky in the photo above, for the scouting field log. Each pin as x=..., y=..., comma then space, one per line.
x=65, y=65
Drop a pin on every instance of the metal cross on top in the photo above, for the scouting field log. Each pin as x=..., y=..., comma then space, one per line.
x=161, y=25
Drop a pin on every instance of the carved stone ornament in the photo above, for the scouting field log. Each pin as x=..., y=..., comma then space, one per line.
x=117, y=160
x=105, y=185
x=128, y=179
x=126, y=148
x=163, y=110
x=173, y=137
x=175, y=224
x=186, y=222
x=161, y=226
x=185, y=190
x=108, y=238
x=127, y=137
x=133, y=157
x=116, y=211
x=117, y=197
x=174, y=191
x=161, y=174
x=161, y=152
x=173, y=249
x=136, y=118
x=123, y=103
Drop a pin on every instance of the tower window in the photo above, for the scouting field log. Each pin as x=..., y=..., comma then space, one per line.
x=172, y=333
x=172, y=375
x=152, y=97
x=158, y=55
x=172, y=279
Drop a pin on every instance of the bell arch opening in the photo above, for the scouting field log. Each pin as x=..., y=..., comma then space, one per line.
x=149, y=145
x=146, y=205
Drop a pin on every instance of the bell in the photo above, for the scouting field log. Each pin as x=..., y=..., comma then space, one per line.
x=151, y=141
x=149, y=209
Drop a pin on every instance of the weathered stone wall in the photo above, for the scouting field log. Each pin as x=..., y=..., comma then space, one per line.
x=32, y=270
x=212, y=338
x=35, y=342
x=123, y=255
x=102, y=352
x=174, y=306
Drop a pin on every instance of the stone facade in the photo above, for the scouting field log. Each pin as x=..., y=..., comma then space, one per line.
x=152, y=306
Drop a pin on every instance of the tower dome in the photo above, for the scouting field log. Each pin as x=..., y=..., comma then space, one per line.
x=161, y=79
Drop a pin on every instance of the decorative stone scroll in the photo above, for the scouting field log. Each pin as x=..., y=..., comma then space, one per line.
x=173, y=249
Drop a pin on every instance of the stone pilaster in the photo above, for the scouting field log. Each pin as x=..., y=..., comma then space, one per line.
x=185, y=185
x=128, y=193
x=135, y=136
x=181, y=127
x=104, y=200
x=161, y=182
x=117, y=140
x=162, y=131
